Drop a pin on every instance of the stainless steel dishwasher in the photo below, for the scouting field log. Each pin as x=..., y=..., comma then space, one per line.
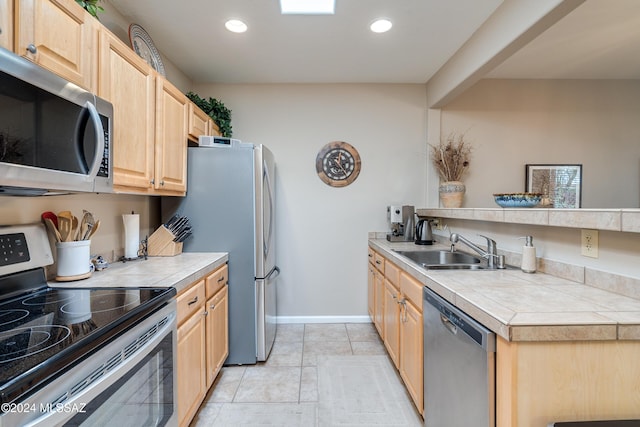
x=459, y=367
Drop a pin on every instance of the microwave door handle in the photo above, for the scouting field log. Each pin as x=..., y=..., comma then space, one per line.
x=95, y=117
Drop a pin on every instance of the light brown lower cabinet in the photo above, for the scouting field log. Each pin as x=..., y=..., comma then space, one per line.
x=397, y=315
x=203, y=343
x=541, y=382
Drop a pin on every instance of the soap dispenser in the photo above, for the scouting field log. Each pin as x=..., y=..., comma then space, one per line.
x=529, y=261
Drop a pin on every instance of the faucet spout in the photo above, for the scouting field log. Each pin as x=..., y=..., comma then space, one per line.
x=491, y=254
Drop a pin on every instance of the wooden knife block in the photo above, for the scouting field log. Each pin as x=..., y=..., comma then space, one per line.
x=161, y=243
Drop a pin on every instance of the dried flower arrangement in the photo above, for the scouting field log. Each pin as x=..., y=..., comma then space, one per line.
x=451, y=157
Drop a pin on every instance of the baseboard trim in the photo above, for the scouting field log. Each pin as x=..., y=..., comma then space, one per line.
x=323, y=319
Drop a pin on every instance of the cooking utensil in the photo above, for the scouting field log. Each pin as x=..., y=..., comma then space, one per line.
x=86, y=224
x=52, y=229
x=93, y=230
x=64, y=227
x=53, y=217
x=75, y=228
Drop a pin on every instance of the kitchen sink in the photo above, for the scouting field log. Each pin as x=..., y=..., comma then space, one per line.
x=444, y=260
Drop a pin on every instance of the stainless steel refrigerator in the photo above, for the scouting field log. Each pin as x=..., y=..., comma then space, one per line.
x=230, y=204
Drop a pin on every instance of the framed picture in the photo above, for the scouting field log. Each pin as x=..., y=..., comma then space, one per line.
x=560, y=185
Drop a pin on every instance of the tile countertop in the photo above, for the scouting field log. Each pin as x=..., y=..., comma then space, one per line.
x=178, y=271
x=526, y=307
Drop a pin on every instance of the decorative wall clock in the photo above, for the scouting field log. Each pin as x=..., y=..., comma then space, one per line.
x=142, y=44
x=338, y=164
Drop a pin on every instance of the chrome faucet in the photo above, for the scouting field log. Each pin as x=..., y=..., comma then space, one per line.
x=494, y=261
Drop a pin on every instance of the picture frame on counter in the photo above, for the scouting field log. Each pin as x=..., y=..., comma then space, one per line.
x=560, y=185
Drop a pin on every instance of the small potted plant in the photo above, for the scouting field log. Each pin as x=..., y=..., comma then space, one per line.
x=215, y=109
x=451, y=159
x=91, y=6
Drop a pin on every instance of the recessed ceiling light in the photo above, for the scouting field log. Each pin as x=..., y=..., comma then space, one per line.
x=307, y=7
x=236, y=26
x=381, y=26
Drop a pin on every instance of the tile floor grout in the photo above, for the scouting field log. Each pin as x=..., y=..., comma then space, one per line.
x=286, y=386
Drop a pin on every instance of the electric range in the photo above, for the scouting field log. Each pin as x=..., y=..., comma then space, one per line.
x=45, y=331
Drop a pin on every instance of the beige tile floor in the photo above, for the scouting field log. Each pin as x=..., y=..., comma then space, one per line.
x=284, y=390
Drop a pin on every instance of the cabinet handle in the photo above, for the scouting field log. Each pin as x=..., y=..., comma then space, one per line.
x=206, y=313
x=212, y=306
x=378, y=262
x=162, y=182
x=193, y=301
x=153, y=181
x=32, y=49
x=221, y=279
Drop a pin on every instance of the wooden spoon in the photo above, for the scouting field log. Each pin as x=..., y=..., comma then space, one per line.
x=64, y=227
x=52, y=229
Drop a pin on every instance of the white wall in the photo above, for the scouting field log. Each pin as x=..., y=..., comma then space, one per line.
x=322, y=231
x=514, y=122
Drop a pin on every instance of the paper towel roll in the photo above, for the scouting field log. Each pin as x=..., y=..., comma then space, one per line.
x=131, y=235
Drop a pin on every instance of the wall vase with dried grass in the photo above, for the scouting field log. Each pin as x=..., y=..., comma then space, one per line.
x=451, y=159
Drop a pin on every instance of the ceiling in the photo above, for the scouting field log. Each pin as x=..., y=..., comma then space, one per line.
x=599, y=39
x=336, y=48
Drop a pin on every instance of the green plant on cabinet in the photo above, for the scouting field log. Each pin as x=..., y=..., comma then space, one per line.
x=215, y=109
x=91, y=6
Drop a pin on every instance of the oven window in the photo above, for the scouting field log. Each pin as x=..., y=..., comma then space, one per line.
x=142, y=397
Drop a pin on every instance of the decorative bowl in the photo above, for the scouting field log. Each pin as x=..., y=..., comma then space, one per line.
x=517, y=200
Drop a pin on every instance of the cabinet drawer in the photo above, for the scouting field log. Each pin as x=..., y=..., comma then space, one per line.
x=190, y=301
x=392, y=273
x=216, y=280
x=378, y=262
x=412, y=290
x=372, y=255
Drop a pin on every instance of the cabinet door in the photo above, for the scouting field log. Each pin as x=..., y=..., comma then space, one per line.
x=212, y=128
x=198, y=122
x=371, y=300
x=191, y=367
x=128, y=82
x=411, y=352
x=6, y=24
x=217, y=333
x=392, y=321
x=58, y=35
x=379, y=302
x=171, y=139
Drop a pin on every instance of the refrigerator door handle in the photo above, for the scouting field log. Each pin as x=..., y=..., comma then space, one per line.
x=267, y=240
x=275, y=272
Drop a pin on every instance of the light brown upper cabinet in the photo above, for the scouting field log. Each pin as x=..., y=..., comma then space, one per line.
x=198, y=122
x=172, y=109
x=128, y=82
x=6, y=24
x=58, y=35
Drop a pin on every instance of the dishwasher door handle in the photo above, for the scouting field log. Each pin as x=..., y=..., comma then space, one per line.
x=448, y=324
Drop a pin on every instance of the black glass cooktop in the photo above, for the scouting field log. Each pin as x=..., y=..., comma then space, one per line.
x=43, y=331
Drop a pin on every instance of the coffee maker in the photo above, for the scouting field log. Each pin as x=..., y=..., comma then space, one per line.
x=401, y=222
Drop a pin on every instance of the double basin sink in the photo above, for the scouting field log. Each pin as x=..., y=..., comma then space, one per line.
x=444, y=260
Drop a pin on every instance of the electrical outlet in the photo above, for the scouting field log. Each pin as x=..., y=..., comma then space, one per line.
x=589, y=245
x=438, y=224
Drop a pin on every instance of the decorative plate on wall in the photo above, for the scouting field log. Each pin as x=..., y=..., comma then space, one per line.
x=338, y=164
x=142, y=44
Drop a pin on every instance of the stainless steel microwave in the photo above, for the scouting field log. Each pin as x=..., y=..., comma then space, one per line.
x=54, y=135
